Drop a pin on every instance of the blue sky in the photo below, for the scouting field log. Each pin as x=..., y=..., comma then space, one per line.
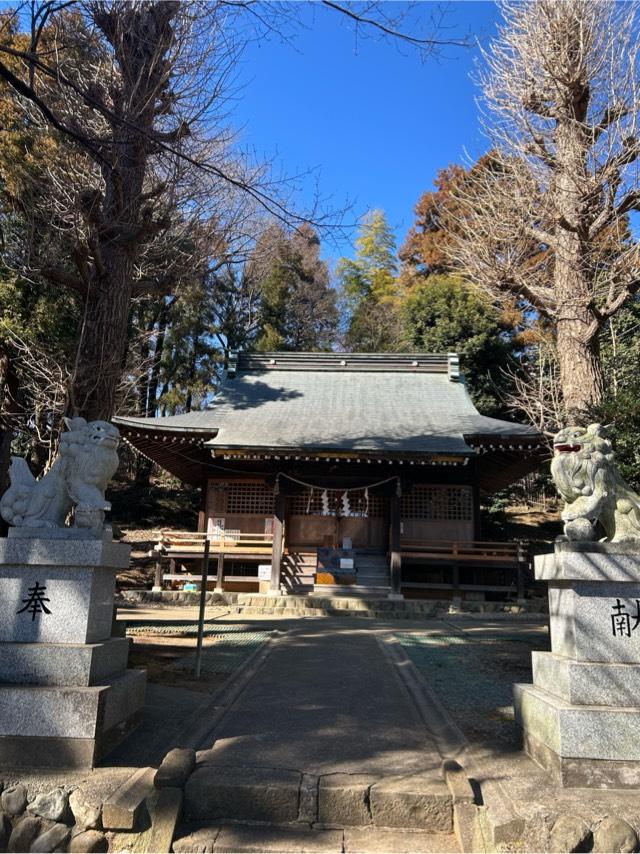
x=372, y=122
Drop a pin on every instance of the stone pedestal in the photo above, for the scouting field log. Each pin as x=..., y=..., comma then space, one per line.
x=581, y=716
x=66, y=697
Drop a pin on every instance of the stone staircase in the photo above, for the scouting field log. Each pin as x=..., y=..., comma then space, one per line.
x=321, y=605
x=318, y=605
x=246, y=809
x=372, y=578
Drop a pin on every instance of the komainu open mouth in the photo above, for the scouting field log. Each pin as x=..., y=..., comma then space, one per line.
x=566, y=449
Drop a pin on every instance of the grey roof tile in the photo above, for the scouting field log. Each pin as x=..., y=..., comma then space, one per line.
x=392, y=411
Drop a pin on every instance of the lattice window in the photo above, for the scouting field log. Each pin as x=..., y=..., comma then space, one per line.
x=438, y=503
x=330, y=502
x=249, y=499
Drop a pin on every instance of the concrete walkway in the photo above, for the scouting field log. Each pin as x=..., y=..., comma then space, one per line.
x=323, y=737
x=326, y=700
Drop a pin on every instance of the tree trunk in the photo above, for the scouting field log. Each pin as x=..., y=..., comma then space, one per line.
x=580, y=369
x=142, y=36
x=577, y=339
x=103, y=340
x=576, y=329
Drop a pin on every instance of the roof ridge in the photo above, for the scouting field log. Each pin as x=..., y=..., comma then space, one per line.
x=305, y=361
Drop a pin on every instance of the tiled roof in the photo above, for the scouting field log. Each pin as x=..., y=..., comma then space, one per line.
x=393, y=403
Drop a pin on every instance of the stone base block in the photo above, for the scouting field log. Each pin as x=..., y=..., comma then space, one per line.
x=583, y=773
x=63, y=664
x=416, y=801
x=58, y=590
x=576, y=734
x=215, y=792
x=62, y=547
x=595, y=620
x=589, y=561
x=53, y=604
x=49, y=726
x=343, y=799
x=585, y=683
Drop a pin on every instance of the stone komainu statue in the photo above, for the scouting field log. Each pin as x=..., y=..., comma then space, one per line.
x=586, y=476
x=88, y=460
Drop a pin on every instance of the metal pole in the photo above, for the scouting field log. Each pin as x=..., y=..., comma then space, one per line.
x=203, y=596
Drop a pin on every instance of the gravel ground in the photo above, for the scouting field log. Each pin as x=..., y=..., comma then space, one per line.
x=473, y=669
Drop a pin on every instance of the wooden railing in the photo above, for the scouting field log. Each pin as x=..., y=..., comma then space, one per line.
x=456, y=555
x=190, y=543
x=225, y=545
x=464, y=552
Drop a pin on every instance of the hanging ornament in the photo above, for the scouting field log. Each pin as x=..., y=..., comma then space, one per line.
x=346, y=509
x=309, y=501
x=366, y=502
x=325, y=503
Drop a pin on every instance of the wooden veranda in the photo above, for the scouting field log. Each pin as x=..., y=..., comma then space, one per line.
x=176, y=548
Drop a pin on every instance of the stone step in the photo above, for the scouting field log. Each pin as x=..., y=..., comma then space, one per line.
x=221, y=793
x=372, y=567
x=353, y=590
x=287, y=839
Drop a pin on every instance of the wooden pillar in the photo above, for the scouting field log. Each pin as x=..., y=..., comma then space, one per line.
x=157, y=584
x=477, y=521
x=278, y=532
x=522, y=559
x=202, y=512
x=220, y=572
x=394, y=543
x=455, y=575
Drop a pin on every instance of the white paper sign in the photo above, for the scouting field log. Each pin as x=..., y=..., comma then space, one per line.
x=264, y=571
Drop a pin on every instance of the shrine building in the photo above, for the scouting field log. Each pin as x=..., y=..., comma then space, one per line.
x=342, y=470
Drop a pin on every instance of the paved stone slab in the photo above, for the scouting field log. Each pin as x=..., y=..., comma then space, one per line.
x=200, y=841
x=343, y=799
x=325, y=700
x=155, y=827
x=256, y=840
x=121, y=810
x=164, y=807
x=243, y=794
x=368, y=841
x=63, y=664
x=418, y=801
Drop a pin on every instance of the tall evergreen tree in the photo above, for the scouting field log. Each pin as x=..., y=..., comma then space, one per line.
x=442, y=315
x=369, y=285
x=297, y=305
